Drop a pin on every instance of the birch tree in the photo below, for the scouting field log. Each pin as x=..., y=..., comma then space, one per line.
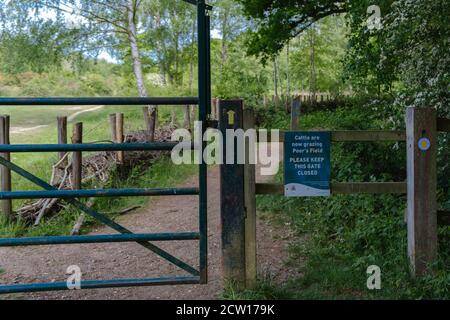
x=108, y=24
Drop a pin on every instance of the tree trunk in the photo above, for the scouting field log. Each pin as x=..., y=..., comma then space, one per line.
x=187, y=111
x=224, y=39
x=275, y=79
x=177, y=80
x=313, y=81
x=288, y=78
x=137, y=65
x=162, y=67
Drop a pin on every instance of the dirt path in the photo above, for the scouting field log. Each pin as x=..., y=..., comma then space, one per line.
x=79, y=111
x=18, y=130
x=109, y=261
x=76, y=114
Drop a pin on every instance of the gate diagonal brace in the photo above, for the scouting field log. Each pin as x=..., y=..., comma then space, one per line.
x=100, y=217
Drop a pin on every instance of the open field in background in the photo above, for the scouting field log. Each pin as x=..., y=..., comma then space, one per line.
x=38, y=126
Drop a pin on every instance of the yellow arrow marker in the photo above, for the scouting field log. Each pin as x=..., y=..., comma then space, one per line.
x=231, y=117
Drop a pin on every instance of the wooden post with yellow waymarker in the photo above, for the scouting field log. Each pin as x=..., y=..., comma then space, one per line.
x=232, y=205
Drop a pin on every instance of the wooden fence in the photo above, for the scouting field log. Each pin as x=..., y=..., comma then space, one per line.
x=422, y=215
x=117, y=136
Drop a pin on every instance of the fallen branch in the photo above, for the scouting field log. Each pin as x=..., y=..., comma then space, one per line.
x=79, y=224
x=125, y=211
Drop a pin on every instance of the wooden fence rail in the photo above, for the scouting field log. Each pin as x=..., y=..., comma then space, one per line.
x=343, y=188
x=353, y=136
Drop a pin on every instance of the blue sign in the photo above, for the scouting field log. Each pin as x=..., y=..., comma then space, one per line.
x=307, y=164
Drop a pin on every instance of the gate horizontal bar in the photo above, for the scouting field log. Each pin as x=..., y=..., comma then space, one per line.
x=45, y=241
x=99, y=284
x=28, y=148
x=368, y=136
x=110, y=101
x=97, y=193
x=343, y=188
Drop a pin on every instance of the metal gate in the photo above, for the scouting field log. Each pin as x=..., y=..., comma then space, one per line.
x=203, y=101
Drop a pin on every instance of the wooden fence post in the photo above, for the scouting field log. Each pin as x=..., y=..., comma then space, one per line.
x=112, y=124
x=232, y=199
x=151, y=122
x=146, y=120
x=62, y=138
x=214, y=112
x=422, y=188
x=250, y=207
x=119, y=136
x=6, y=205
x=77, y=158
x=295, y=114
x=187, y=117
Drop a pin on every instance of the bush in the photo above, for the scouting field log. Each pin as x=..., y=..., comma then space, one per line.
x=96, y=84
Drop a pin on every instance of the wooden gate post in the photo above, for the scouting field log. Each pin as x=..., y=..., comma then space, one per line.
x=232, y=199
x=250, y=207
x=422, y=188
x=6, y=205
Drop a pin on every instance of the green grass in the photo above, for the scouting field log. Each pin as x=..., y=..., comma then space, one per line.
x=266, y=289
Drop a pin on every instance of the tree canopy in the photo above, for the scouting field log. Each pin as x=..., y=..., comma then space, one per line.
x=407, y=54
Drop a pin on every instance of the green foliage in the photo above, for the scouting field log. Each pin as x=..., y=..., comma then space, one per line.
x=370, y=67
x=64, y=83
x=330, y=48
x=266, y=289
x=38, y=48
x=419, y=37
x=279, y=21
x=407, y=57
x=169, y=35
x=240, y=77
